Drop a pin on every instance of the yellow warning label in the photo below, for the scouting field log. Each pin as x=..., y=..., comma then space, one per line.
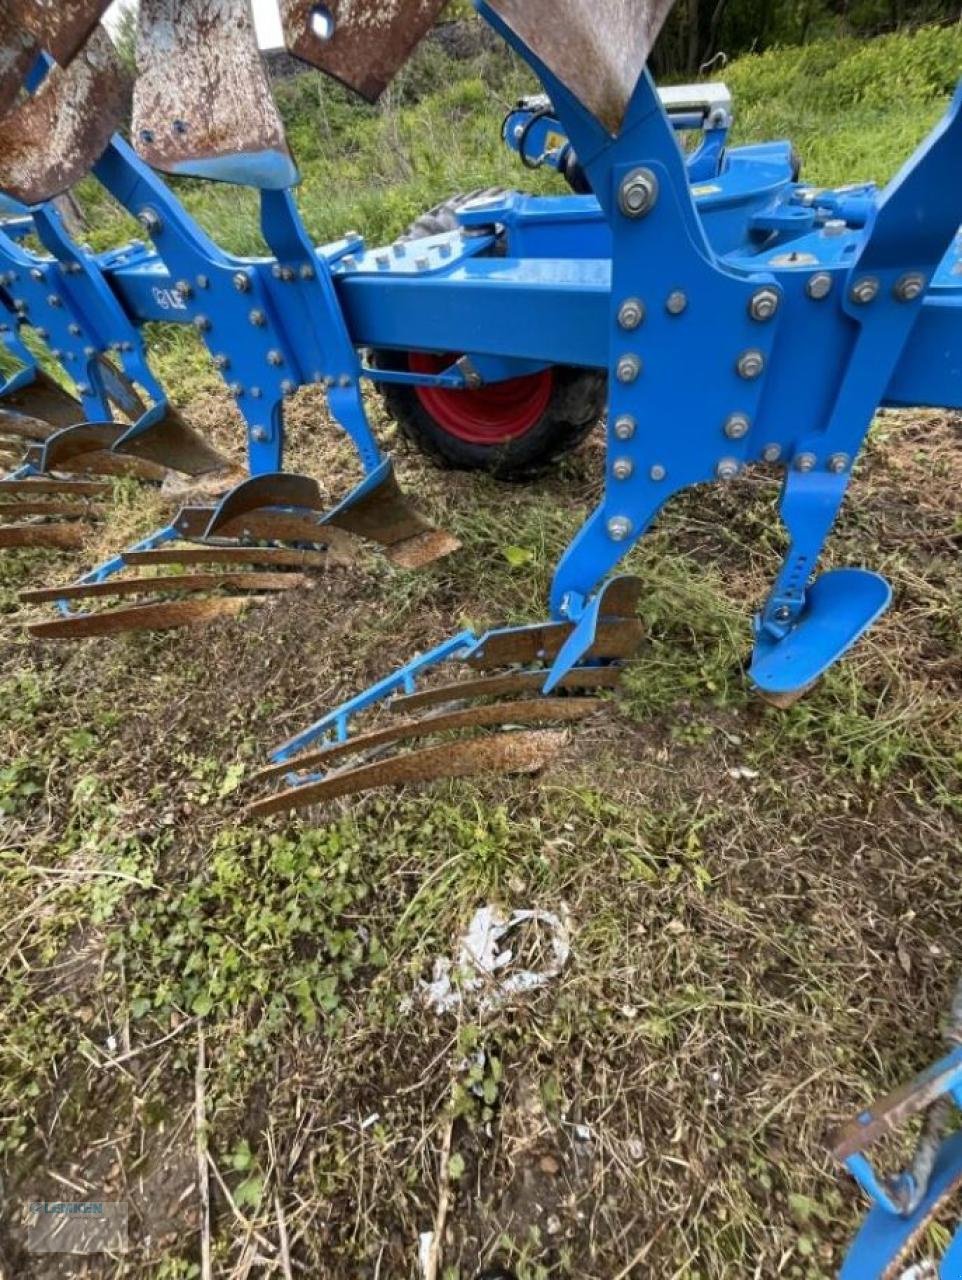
x=554, y=141
x=705, y=191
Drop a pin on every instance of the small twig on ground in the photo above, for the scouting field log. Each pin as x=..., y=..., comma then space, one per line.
x=200, y=1129
x=244, y=1221
x=444, y=1199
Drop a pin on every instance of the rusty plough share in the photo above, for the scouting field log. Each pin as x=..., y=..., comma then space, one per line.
x=738, y=317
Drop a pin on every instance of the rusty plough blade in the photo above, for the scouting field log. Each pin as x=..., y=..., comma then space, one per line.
x=49, y=512
x=60, y=29
x=518, y=722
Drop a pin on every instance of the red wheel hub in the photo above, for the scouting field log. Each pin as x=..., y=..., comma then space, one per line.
x=491, y=415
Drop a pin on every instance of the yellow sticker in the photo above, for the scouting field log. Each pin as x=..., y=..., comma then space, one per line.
x=554, y=141
x=705, y=191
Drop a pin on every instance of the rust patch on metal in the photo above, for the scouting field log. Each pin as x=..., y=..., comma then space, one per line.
x=892, y=1112
x=17, y=53
x=172, y=443
x=18, y=426
x=783, y=701
x=145, y=617
x=501, y=686
x=596, y=48
x=620, y=597
x=501, y=753
x=537, y=711
x=65, y=509
x=266, y=556
x=383, y=515
x=61, y=27
x=184, y=583
x=51, y=140
x=424, y=548
x=202, y=103
x=53, y=537
x=895, y=1267
x=45, y=401
x=613, y=640
x=362, y=43
x=77, y=488
x=278, y=490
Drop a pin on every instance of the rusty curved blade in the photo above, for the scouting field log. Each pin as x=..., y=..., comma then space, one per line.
x=78, y=488
x=536, y=711
x=172, y=443
x=891, y=1112
x=275, y=489
x=620, y=596
x=596, y=48
x=185, y=583
x=18, y=50
x=266, y=556
x=496, y=753
x=73, y=443
x=61, y=28
x=51, y=140
x=618, y=639
x=202, y=103
x=55, y=537
x=19, y=426
x=501, y=686
x=362, y=43
x=144, y=617
x=265, y=525
x=45, y=401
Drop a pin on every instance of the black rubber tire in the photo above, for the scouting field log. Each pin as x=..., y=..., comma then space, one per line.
x=576, y=406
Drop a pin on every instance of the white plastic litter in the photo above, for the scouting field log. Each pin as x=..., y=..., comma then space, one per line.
x=482, y=962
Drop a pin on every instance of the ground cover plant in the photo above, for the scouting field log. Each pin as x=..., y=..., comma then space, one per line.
x=763, y=908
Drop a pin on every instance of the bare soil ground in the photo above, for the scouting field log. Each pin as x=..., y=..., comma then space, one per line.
x=764, y=908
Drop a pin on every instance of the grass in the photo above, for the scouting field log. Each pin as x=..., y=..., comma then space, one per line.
x=764, y=908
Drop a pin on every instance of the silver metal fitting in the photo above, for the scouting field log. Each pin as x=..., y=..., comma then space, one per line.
x=629, y=368
x=221, y=362
x=819, y=285
x=151, y=222
x=242, y=282
x=865, y=290
x=256, y=393
x=772, y=452
x=676, y=303
x=259, y=434
x=631, y=313
x=751, y=364
x=657, y=472
x=910, y=287
x=275, y=358
x=201, y=323
x=288, y=387
x=622, y=468
x=184, y=288
x=839, y=463
x=638, y=194
x=307, y=271
x=738, y=426
x=257, y=318
x=74, y=330
x=54, y=300
x=36, y=273
x=728, y=468
x=619, y=528
x=783, y=614
x=236, y=389
x=203, y=282
x=764, y=304
x=625, y=427
x=835, y=227
x=806, y=462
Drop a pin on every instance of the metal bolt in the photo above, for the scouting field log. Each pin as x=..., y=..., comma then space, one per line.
x=629, y=368
x=619, y=528
x=274, y=358
x=257, y=318
x=259, y=434
x=910, y=287
x=737, y=427
x=307, y=271
x=73, y=268
x=631, y=314
x=658, y=472
x=622, y=468
x=677, y=303
x=202, y=323
x=74, y=330
x=806, y=462
x=54, y=300
x=36, y=273
x=819, y=286
x=242, y=281
x=90, y=352
x=764, y=304
x=638, y=194
x=236, y=389
x=727, y=469
x=750, y=365
x=44, y=334
x=625, y=427
x=83, y=388
x=202, y=282
x=345, y=380
x=838, y=463
x=57, y=353
x=772, y=452
x=783, y=614
x=288, y=387
x=865, y=290
x=835, y=227
x=256, y=393
x=221, y=362
x=184, y=288
x=150, y=221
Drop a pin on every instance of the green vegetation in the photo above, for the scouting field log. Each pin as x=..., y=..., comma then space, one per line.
x=764, y=908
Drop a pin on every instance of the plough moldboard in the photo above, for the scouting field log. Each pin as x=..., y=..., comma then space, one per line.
x=737, y=316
